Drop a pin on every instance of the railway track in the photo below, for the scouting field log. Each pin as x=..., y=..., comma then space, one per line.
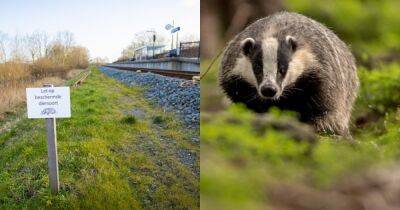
x=170, y=73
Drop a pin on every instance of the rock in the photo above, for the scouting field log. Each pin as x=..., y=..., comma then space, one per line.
x=166, y=92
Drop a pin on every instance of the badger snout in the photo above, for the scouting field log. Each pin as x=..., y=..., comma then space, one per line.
x=269, y=90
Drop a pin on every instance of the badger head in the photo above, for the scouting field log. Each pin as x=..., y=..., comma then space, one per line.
x=268, y=72
x=269, y=65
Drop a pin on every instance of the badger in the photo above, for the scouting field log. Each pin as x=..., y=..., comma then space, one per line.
x=292, y=62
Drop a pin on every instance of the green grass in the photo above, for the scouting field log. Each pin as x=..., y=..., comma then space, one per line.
x=107, y=159
x=129, y=120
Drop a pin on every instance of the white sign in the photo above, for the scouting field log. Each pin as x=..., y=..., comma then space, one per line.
x=48, y=102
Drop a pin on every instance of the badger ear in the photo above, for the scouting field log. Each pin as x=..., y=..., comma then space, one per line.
x=247, y=46
x=291, y=41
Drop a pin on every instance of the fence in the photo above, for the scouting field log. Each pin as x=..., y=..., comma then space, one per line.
x=189, y=49
x=186, y=50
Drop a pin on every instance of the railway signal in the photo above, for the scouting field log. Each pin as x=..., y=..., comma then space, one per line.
x=154, y=39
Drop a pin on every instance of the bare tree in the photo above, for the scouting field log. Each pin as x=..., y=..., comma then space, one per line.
x=146, y=38
x=77, y=57
x=43, y=42
x=62, y=44
x=99, y=60
x=141, y=39
x=3, y=47
x=56, y=53
x=128, y=52
x=190, y=38
x=65, y=38
x=17, y=48
x=33, y=46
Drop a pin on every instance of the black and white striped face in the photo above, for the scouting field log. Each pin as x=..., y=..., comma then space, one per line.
x=269, y=65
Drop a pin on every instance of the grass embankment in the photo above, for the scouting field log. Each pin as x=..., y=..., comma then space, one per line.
x=242, y=165
x=108, y=158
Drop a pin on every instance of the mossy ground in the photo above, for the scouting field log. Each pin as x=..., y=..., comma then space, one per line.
x=108, y=159
x=239, y=163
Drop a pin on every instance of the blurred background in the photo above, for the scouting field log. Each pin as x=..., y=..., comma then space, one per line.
x=245, y=167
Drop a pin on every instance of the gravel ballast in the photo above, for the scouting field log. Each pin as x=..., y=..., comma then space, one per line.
x=166, y=92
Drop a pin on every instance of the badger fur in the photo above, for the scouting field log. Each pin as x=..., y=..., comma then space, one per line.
x=292, y=62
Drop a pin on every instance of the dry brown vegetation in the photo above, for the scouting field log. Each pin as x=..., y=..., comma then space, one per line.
x=33, y=61
x=14, y=93
x=99, y=61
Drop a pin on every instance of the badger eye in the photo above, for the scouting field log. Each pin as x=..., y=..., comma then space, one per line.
x=281, y=69
x=291, y=41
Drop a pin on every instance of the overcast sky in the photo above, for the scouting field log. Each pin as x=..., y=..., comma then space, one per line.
x=105, y=27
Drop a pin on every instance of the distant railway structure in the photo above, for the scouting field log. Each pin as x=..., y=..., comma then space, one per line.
x=176, y=67
x=183, y=62
x=148, y=52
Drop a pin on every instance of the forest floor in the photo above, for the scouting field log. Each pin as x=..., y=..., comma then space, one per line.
x=249, y=164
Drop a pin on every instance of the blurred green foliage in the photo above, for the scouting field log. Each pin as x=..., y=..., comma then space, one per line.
x=370, y=27
x=380, y=88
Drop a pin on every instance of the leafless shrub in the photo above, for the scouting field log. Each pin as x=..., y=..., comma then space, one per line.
x=25, y=60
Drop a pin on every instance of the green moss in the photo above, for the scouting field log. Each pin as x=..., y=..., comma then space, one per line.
x=239, y=163
x=380, y=88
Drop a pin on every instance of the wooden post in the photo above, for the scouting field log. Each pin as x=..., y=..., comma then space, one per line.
x=51, y=134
